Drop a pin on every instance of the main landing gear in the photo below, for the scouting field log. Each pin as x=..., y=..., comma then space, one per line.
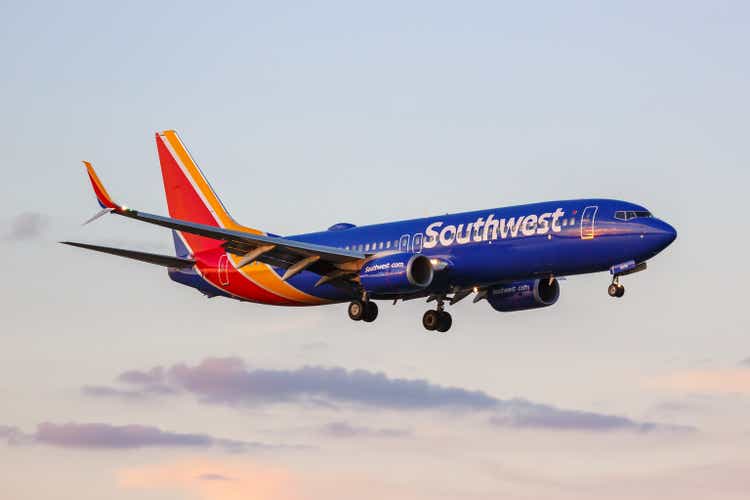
x=437, y=319
x=433, y=320
x=365, y=311
x=616, y=289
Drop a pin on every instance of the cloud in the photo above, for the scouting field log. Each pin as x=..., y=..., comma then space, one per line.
x=745, y=362
x=229, y=382
x=27, y=226
x=107, y=436
x=152, y=380
x=143, y=383
x=12, y=435
x=346, y=430
x=106, y=391
x=518, y=413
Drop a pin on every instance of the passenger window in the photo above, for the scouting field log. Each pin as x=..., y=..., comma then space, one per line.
x=388, y=244
x=380, y=245
x=416, y=244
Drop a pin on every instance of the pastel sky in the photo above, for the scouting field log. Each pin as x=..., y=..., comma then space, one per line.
x=117, y=383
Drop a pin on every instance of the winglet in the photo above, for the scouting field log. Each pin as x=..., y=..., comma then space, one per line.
x=101, y=193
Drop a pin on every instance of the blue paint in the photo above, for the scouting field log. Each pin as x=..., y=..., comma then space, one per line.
x=489, y=247
x=482, y=263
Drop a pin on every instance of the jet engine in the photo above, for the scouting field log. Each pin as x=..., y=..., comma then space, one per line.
x=396, y=273
x=521, y=295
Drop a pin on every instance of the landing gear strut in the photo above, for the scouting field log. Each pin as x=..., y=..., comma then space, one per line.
x=437, y=319
x=616, y=289
x=365, y=311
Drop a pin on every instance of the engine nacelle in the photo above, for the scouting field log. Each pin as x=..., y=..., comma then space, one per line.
x=520, y=295
x=396, y=273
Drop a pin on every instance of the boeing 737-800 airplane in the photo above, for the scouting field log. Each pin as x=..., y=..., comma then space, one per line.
x=510, y=256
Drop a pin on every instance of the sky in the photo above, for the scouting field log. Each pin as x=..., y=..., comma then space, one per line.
x=117, y=383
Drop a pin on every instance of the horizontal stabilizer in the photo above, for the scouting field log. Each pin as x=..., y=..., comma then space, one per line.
x=151, y=258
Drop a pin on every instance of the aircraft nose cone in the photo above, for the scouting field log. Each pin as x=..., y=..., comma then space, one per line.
x=665, y=233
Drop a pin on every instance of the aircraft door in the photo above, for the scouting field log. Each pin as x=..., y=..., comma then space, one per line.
x=224, y=270
x=403, y=244
x=588, y=218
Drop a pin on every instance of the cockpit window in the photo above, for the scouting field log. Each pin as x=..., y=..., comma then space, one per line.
x=631, y=214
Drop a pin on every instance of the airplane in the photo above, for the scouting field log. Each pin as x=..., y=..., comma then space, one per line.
x=512, y=257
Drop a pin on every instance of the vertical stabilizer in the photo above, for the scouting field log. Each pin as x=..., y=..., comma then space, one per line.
x=189, y=195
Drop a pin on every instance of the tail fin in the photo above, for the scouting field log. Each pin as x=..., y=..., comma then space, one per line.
x=189, y=195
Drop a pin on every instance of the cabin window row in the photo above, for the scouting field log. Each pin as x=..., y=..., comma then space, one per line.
x=366, y=247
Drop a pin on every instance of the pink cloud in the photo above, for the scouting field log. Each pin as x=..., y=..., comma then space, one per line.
x=99, y=435
x=231, y=382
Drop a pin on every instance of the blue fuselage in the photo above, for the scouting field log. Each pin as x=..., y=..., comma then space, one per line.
x=485, y=247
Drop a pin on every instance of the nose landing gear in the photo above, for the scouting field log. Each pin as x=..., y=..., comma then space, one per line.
x=616, y=289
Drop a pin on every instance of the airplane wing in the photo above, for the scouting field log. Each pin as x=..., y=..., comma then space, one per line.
x=295, y=256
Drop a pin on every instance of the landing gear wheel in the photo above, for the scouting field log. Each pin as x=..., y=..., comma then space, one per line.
x=356, y=310
x=444, y=322
x=431, y=320
x=371, y=312
x=616, y=290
